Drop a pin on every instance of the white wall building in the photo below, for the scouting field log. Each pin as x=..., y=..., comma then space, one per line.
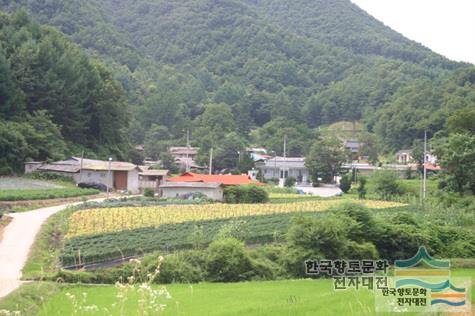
x=213, y=191
x=284, y=167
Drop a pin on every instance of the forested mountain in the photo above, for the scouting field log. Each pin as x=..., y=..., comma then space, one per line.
x=53, y=97
x=265, y=65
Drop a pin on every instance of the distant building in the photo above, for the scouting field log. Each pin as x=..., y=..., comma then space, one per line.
x=151, y=178
x=404, y=156
x=184, y=152
x=284, y=167
x=188, y=164
x=353, y=146
x=212, y=190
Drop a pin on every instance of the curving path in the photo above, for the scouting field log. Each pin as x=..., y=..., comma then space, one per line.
x=18, y=237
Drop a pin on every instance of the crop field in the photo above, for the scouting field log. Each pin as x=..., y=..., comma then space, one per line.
x=12, y=183
x=96, y=221
x=41, y=194
x=21, y=189
x=170, y=237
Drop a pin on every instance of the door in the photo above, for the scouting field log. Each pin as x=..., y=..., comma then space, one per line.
x=120, y=180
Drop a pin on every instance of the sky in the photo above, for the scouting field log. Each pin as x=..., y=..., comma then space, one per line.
x=445, y=26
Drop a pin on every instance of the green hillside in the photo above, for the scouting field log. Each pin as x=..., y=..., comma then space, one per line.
x=312, y=62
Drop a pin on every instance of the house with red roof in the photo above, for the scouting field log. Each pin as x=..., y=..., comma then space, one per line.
x=226, y=179
x=212, y=186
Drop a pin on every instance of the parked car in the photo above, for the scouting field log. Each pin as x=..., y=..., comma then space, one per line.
x=93, y=185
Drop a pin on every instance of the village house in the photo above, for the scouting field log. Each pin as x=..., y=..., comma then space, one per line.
x=117, y=175
x=151, y=178
x=282, y=168
x=209, y=185
x=212, y=190
x=184, y=152
x=404, y=157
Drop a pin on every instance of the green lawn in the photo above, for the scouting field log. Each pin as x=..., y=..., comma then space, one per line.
x=287, y=297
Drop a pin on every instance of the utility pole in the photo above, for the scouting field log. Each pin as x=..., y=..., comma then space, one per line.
x=80, y=170
x=110, y=182
x=211, y=161
x=285, y=145
x=187, y=149
x=425, y=161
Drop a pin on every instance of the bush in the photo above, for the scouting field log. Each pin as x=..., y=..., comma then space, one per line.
x=386, y=184
x=290, y=182
x=326, y=236
x=148, y=192
x=361, y=251
x=364, y=223
x=345, y=183
x=361, y=188
x=245, y=194
x=177, y=269
x=227, y=261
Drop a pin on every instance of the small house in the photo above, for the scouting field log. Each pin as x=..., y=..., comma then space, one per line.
x=117, y=175
x=151, y=178
x=284, y=167
x=211, y=190
x=404, y=156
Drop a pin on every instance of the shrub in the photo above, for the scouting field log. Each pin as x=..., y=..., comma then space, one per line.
x=361, y=188
x=364, y=223
x=227, y=261
x=361, y=251
x=148, y=192
x=290, y=182
x=245, y=194
x=386, y=184
x=345, y=183
x=177, y=269
x=326, y=236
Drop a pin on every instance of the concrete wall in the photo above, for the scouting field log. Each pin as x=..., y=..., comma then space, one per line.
x=133, y=181
x=212, y=193
x=32, y=166
x=102, y=177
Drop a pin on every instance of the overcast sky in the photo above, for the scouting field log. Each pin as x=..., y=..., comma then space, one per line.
x=445, y=26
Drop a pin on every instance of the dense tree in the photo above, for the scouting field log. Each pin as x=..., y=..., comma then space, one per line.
x=456, y=154
x=325, y=159
x=53, y=96
x=271, y=135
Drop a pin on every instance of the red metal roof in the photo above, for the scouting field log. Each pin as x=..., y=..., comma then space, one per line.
x=224, y=179
x=430, y=166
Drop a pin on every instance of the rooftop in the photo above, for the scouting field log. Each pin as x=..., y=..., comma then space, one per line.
x=74, y=164
x=211, y=185
x=224, y=179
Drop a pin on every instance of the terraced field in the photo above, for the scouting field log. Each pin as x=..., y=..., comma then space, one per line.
x=97, y=221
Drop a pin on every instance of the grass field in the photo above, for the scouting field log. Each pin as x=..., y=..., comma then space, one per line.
x=21, y=189
x=289, y=297
x=96, y=221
